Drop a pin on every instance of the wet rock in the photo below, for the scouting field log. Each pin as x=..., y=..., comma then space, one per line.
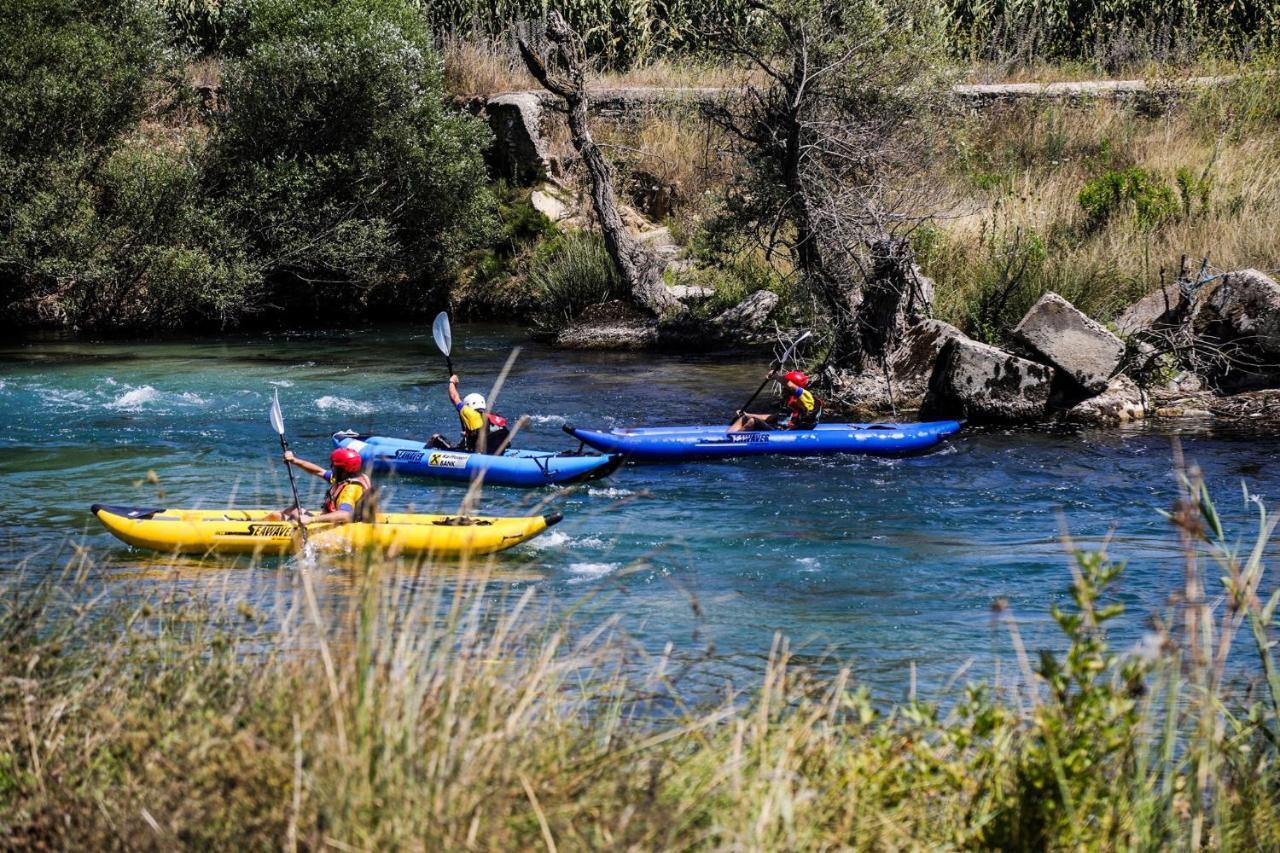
x=1237, y=327
x=1079, y=347
x=1121, y=402
x=749, y=315
x=906, y=381
x=982, y=383
x=519, y=151
x=613, y=325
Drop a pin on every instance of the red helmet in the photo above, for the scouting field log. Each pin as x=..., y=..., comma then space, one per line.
x=346, y=460
x=798, y=378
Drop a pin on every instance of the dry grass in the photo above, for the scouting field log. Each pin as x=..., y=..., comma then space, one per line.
x=1016, y=177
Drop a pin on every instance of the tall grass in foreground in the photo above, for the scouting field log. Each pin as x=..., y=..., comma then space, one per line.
x=428, y=716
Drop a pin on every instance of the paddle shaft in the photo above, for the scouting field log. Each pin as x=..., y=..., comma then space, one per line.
x=759, y=390
x=293, y=486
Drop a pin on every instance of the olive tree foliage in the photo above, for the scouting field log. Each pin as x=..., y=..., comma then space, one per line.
x=338, y=156
x=834, y=132
x=96, y=229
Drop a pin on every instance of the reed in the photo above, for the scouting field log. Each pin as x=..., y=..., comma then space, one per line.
x=438, y=707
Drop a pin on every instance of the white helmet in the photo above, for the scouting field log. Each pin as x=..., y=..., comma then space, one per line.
x=475, y=401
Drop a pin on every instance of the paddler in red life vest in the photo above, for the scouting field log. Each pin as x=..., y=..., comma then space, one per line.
x=482, y=431
x=347, y=485
x=801, y=406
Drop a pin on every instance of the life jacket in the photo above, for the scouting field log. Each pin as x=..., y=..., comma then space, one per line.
x=336, y=486
x=495, y=434
x=805, y=409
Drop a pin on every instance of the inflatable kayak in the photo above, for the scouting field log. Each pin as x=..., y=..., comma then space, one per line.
x=512, y=468
x=247, y=531
x=716, y=442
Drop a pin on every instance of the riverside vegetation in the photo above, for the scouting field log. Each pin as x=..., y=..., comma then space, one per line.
x=431, y=712
x=261, y=161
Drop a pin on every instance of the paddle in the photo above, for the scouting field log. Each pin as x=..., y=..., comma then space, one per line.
x=277, y=422
x=786, y=355
x=444, y=337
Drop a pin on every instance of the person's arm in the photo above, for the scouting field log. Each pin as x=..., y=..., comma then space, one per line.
x=338, y=516
x=454, y=396
x=309, y=467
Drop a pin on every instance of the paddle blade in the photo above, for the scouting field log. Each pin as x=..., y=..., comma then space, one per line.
x=277, y=419
x=442, y=333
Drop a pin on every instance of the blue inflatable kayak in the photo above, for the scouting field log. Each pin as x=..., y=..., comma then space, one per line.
x=716, y=442
x=513, y=468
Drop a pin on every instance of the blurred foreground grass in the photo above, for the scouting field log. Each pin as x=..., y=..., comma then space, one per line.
x=434, y=715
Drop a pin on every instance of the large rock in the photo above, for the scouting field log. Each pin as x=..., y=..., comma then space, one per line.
x=1122, y=402
x=1071, y=342
x=519, y=150
x=982, y=383
x=749, y=315
x=906, y=381
x=1237, y=327
x=1160, y=309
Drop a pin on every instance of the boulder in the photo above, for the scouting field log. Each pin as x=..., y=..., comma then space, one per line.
x=1238, y=324
x=749, y=315
x=982, y=383
x=549, y=206
x=1060, y=334
x=519, y=150
x=1121, y=402
x=1159, y=309
x=613, y=325
x=909, y=367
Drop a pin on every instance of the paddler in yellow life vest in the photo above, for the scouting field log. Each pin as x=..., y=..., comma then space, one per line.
x=802, y=406
x=347, y=485
x=482, y=431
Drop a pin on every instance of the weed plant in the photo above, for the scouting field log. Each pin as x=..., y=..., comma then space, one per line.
x=432, y=713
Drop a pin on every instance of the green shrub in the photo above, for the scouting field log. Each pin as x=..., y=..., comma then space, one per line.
x=570, y=274
x=339, y=157
x=1136, y=193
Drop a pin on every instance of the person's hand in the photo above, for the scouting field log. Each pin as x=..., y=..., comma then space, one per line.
x=453, y=380
x=288, y=456
x=738, y=413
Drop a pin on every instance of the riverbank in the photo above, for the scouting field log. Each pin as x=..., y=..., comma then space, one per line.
x=439, y=707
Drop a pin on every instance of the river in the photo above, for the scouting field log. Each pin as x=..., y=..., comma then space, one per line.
x=883, y=564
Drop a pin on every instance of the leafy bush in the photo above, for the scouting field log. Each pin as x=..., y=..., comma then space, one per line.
x=568, y=275
x=338, y=155
x=1135, y=192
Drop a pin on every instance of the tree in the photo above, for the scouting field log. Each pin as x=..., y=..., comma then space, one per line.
x=563, y=73
x=339, y=156
x=835, y=141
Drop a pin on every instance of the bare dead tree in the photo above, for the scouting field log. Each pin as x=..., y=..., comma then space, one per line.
x=563, y=72
x=835, y=147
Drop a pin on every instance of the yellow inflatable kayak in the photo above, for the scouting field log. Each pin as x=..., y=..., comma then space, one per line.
x=247, y=531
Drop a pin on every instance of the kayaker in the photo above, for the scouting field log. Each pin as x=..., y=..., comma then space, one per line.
x=801, y=406
x=482, y=431
x=347, y=485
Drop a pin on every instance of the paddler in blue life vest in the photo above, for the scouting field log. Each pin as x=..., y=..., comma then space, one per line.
x=482, y=431
x=347, y=485
x=801, y=406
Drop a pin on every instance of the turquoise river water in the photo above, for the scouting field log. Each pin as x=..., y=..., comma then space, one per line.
x=879, y=563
